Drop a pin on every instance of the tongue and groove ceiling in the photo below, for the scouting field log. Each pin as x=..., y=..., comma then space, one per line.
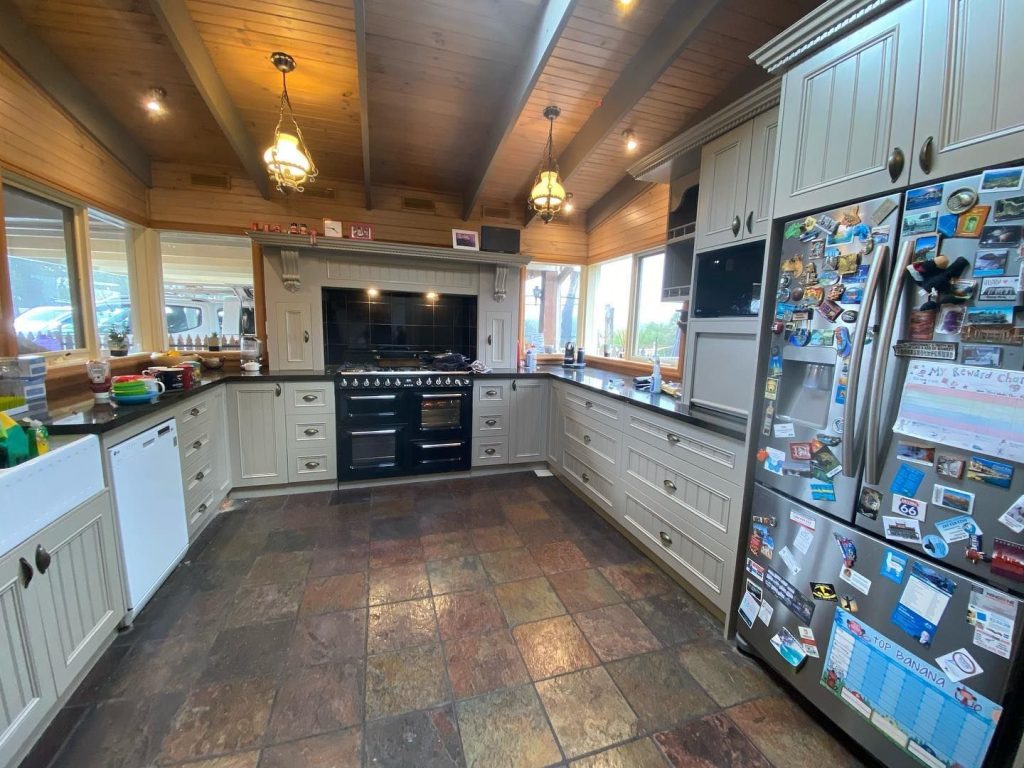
x=441, y=77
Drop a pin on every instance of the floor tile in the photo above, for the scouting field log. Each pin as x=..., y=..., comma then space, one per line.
x=468, y=613
x=154, y=667
x=221, y=717
x=543, y=531
x=354, y=495
x=615, y=632
x=660, y=690
x=510, y=565
x=529, y=600
x=583, y=590
x=675, y=617
x=331, y=562
x=520, y=513
x=559, y=556
x=395, y=552
x=787, y=736
x=724, y=673
x=328, y=637
x=398, y=583
x=264, y=603
x=642, y=753
x=441, y=546
x=342, y=749
x=256, y=651
x=495, y=537
x=60, y=730
x=711, y=741
x=317, y=700
x=637, y=580
x=400, y=527
x=184, y=613
x=342, y=592
x=401, y=625
x=507, y=728
x=237, y=760
x=587, y=711
x=553, y=647
x=481, y=663
x=427, y=739
x=459, y=574
x=402, y=681
x=294, y=540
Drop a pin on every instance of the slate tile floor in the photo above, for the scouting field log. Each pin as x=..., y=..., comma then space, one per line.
x=494, y=622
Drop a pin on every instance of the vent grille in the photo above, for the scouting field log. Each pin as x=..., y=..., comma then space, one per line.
x=312, y=190
x=496, y=212
x=419, y=204
x=213, y=180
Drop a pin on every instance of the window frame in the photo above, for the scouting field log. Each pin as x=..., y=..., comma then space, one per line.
x=635, y=308
x=581, y=306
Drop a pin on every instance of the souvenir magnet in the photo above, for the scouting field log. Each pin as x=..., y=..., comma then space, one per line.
x=796, y=293
x=850, y=217
x=770, y=520
x=778, y=327
x=814, y=295
x=810, y=275
x=800, y=338
x=783, y=294
x=830, y=310
x=835, y=292
x=817, y=249
x=849, y=316
x=842, y=342
x=793, y=229
x=849, y=549
x=848, y=603
x=827, y=224
x=785, y=280
x=828, y=277
x=854, y=293
x=961, y=200
x=766, y=425
x=870, y=502
x=817, y=340
x=830, y=440
x=847, y=263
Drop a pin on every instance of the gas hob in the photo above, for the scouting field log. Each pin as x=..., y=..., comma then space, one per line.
x=383, y=379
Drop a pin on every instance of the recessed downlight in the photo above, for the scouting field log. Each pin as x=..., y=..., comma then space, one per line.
x=155, y=101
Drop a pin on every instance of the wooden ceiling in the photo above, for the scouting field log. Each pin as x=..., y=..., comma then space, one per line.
x=439, y=74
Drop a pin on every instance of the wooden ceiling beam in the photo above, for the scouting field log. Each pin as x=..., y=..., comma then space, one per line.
x=184, y=36
x=676, y=30
x=553, y=19
x=27, y=50
x=359, y=7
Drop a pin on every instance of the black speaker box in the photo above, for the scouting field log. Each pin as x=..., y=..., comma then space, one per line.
x=499, y=239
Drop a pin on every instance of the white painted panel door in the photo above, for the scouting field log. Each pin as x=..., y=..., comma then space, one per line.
x=294, y=336
x=528, y=421
x=82, y=594
x=27, y=690
x=761, y=181
x=256, y=419
x=498, y=340
x=721, y=204
x=970, y=113
x=847, y=122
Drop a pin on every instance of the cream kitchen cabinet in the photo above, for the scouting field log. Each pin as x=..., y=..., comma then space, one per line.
x=205, y=457
x=528, y=420
x=735, y=200
x=258, y=427
x=498, y=340
x=294, y=325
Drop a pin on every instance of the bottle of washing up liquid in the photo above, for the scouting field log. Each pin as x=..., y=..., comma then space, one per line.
x=656, y=377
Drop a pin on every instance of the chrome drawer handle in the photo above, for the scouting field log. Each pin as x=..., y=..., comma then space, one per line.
x=588, y=404
x=491, y=422
x=585, y=477
x=311, y=431
x=665, y=538
x=670, y=486
x=312, y=464
x=491, y=392
x=197, y=444
x=490, y=451
x=200, y=475
x=586, y=439
x=202, y=508
x=672, y=438
x=194, y=412
x=309, y=398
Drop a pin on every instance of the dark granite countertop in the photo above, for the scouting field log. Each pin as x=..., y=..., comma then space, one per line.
x=89, y=417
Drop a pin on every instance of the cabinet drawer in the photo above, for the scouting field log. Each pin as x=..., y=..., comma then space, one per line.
x=687, y=495
x=704, y=563
x=490, y=424
x=308, y=398
x=191, y=447
x=311, y=464
x=488, y=450
x=194, y=409
x=196, y=513
x=595, y=406
x=197, y=479
x=595, y=483
x=491, y=391
x=591, y=438
x=304, y=432
x=714, y=453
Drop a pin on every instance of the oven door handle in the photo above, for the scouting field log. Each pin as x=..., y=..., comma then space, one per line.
x=426, y=396
x=441, y=445
x=371, y=397
x=365, y=433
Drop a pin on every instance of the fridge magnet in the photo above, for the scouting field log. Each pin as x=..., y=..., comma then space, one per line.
x=854, y=293
x=953, y=498
x=754, y=542
x=838, y=425
x=771, y=389
x=847, y=263
x=828, y=278
x=830, y=310
x=974, y=553
x=826, y=461
x=789, y=560
x=992, y=614
x=1010, y=336
x=774, y=459
x=925, y=249
x=949, y=466
x=901, y=529
x=982, y=355
x=915, y=453
x=810, y=276
x=767, y=542
x=793, y=229
x=755, y=590
x=946, y=224
x=803, y=519
x=850, y=217
x=922, y=324
x=801, y=337
x=1001, y=180
x=803, y=540
x=800, y=451
x=753, y=568
x=858, y=581
x=817, y=249
x=821, y=590
x=748, y=609
x=1000, y=234
x=959, y=665
x=841, y=395
x=929, y=350
x=959, y=528
x=848, y=603
x=766, y=424
x=848, y=548
x=1004, y=288
x=971, y=222
x=909, y=507
x=935, y=546
x=919, y=223
x=835, y=292
x=990, y=263
x=784, y=429
x=989, y=471
x=789, y=596
x=907, y=480
x=951, y=321
x=1008, y=559
x=989, y=316
x=794, y=265
x=923, y=602
x=870, y=502
x=1013, y=518
x=359, y=231
x=1008, y=208
x=961, y=199
x=880, y=235
x=823, y=491
x=962, y=290
x=894, y=565
x=882, y=211
x=768, y=520
x=789, y=648
x=826, y=224
x=925, y=197
x=849, y=316
x=826, y=439
x=843, y=235
x=807, y=640
x=765, y=613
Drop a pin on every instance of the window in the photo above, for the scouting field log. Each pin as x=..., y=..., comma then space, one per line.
x=109, y=246
x=551, y=303
x=208, y=287
x=609, y=304
x=657, y=332
x=41, y=258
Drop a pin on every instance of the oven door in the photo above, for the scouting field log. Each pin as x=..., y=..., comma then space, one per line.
x=371, y=451
x=427, y=456
x=438, y=415
x=377, y=408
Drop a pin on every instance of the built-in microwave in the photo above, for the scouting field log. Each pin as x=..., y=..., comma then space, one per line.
x=727, y=282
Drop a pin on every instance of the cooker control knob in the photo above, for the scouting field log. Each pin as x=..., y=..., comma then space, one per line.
x=387, y=382
x=376, y=382
x=343, y=383
x=366, y=382
x=430, y=382
x=448, y=381
x=419, y=382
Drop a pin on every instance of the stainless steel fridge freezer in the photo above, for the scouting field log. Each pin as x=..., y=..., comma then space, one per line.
x=914, y=661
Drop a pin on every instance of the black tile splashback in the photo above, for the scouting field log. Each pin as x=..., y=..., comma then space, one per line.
x=355, y=324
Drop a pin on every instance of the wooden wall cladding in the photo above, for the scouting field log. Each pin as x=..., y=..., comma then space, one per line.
x=40, y=142
x=637, y=226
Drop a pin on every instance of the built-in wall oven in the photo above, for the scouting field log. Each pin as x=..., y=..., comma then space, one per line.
x=402, y=424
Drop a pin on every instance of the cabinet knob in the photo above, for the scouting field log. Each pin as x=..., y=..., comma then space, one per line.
x=665, y=538
x=309, y=398
x=490, y=339
x=895, y=163
x=489, y=451
x=311, y=431
x=491, y=422
x=26, y=571
x=750, y=222
x=586, y=439
x=194, y=412
x=670, y=486
x=491, y=393
x=514, y=385
x=672, y=438
x=924, y=157
x=588, y=404
x=305, y=336
x=277, y=390
x=202, y=508
x=312, y=464
x=585, y=477
x=736, y=224
x=43, y=559
x=197, y=444
x=200, y=475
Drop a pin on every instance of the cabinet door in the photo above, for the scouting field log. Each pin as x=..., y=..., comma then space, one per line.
x=82, y=594
x=27, y=689
x=761, y=182
x=847, y=119
x=969, y=110
x=721, y=204
x=497, y=340
x=528, y=421
x=256, y=421
x=294, y=336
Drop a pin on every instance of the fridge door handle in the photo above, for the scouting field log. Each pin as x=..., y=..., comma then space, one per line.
x=853, y=443
x=884, y=341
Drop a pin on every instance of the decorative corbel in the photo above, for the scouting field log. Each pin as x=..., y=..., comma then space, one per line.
x=290, y=271
x=500, y=278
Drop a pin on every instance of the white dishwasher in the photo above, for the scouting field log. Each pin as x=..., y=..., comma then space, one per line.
x=146, y=475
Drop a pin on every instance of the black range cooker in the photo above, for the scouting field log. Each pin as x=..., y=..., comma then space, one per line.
x=402, y=422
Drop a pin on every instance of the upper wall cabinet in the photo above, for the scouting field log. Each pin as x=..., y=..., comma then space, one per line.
x=734, y=203
x=847, y=124
x=294, y=336
x=969, y=112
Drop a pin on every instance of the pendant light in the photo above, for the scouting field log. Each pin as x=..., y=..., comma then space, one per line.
x=548, y=195
x=288, y=160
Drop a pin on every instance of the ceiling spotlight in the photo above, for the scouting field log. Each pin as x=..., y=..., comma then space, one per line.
x=625, y=3
x=568, y=207
x=154, y=101
x=432, y=296
x=373, y=293
x=630, y=138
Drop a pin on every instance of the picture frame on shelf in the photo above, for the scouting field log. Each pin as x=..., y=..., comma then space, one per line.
x=466, y=239
x=359, y=230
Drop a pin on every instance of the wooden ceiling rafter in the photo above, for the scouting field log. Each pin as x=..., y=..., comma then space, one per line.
x=184, y=37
